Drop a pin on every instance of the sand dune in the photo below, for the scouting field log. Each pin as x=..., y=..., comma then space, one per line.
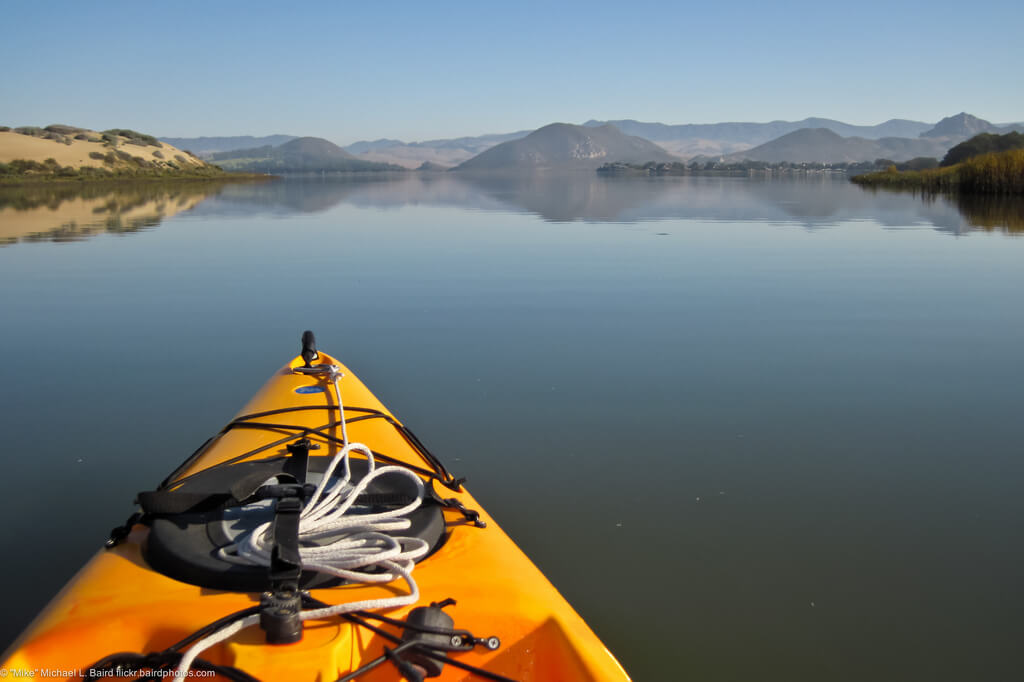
x=17, y=146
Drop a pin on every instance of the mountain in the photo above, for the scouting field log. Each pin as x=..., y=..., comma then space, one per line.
x=301, y=155
x=983, y=143
x=567, y=147
x=963, y=125
x=375, y=145
x=713, y=139
x=825, y=146
x=206, y=146
x=444, y=152
x=756, y=133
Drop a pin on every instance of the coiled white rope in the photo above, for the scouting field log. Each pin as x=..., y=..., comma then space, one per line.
x=335, y=542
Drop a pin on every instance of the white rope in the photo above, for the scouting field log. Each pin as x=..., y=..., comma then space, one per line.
x=334, y=542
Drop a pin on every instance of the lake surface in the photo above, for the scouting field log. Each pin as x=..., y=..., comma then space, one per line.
x=752, y=429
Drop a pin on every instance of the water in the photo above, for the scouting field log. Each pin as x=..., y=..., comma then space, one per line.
x=751, y=429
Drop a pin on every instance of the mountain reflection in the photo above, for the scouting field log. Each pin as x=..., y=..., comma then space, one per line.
x=813, y=202
x=69, y=213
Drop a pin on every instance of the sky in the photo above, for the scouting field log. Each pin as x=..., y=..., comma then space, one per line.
x=350, y=71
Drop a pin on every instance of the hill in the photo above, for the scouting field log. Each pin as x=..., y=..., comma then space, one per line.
x=820, y=145
x=984, y=143
x=443, y=152
x=566, y=147
x=205, y=147
x=67, y=151
x=687, y=140
x=714, y=139
x=962, y=125
x=301, y=155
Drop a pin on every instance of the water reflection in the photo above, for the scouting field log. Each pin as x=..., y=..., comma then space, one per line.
x=68, y=213
x=63, y=213
x=815, y=203
x=993, y=213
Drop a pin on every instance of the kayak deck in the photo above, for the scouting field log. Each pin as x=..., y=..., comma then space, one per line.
x=118, y=603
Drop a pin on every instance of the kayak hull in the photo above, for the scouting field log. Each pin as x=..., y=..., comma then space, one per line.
x=118, y=603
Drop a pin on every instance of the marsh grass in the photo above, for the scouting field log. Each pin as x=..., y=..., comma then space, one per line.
x=996, y=173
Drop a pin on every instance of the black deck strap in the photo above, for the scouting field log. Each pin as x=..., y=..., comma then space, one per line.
x=167, y=503
x=299, y=460
x=171, y=502
x=248, y=486
x=280, y=608
x=285, y=562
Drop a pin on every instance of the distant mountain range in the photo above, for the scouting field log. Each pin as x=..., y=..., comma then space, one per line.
x=686, y=140
x=300, y=155
x=567, y=146
x=756, y=133
x=826, y=146
x=440, y=153
x=563, y=146
x=723, y=138
x=204, y=147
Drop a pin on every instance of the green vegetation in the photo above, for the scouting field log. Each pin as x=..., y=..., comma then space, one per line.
x=134, y=137
x=117, y=163
x=996, y=173
x=46, y=133
x=917, y=164
x=986, y=143
x=63, y=129
x=21, y=171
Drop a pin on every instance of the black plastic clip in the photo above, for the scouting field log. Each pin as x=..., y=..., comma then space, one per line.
x=274, y=491
x=118, y=535
x=454, y=484
x=471, y=515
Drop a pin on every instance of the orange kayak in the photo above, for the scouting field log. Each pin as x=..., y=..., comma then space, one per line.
x=314, y=538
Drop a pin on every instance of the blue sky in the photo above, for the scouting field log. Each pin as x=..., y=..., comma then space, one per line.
x=349, y=71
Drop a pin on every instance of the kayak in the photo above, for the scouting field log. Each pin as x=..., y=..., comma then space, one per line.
x=315, y=537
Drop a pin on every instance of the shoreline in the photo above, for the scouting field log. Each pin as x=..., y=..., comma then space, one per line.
x=33, y=180
x=999, y=173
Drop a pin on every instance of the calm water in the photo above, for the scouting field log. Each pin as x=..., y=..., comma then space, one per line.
x=753, y=430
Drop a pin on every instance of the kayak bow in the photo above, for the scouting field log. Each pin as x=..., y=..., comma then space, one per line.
x=314, y=538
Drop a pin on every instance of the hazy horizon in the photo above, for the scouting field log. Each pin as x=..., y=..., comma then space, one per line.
x=416, y=73
x=622, y=118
